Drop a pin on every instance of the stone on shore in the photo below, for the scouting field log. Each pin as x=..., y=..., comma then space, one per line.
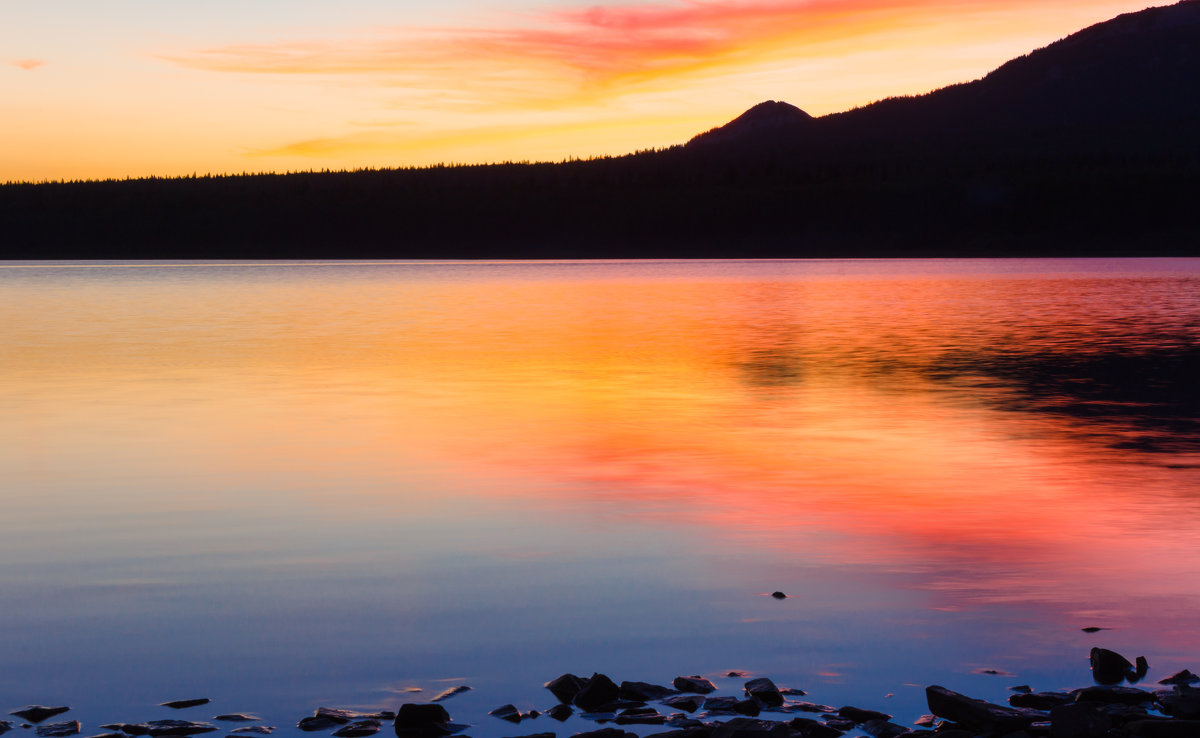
x=181, y=704
x=764, y=691
x=597, y=693
x=38, y=713
x=448, y=693
x=415, y=720
x=566, y=687
x=358, y=729
x=644, y=691
x=978, y=714
x=694, y=685
x=56, y=730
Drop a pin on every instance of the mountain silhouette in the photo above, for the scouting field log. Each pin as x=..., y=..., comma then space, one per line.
x=1086, y=147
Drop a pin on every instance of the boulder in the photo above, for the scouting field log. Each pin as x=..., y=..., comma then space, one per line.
x=1182, y=702
x=809, y=728
x=747, y=727
x=1184, y=677
x=566, y=687
x=720, y=705
x=978, y=714
x=1109, y=667
x=38, y=713
x=694, y=685
x=697, y=731
x=605, y=733
x=57, y=730
x=598, y=692
x=640, y=716
x=765, y=691
x=416, y=720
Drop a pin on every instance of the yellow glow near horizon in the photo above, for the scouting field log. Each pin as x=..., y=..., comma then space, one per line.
x=549, y=82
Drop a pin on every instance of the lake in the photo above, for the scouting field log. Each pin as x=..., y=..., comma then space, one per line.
x=296, y=484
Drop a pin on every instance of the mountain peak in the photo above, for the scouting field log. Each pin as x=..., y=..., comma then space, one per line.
x=767, y=118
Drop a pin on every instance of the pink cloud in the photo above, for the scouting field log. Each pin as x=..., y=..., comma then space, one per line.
x=28, y=64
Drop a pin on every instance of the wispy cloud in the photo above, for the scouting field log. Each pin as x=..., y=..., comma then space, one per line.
x=28, y=64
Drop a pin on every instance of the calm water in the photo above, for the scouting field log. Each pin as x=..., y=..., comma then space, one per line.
x=292, y=485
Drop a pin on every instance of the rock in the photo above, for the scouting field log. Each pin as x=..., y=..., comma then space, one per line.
x=1079, y=721
x=746, y=727
x=1184, y=677
x=640, y=716
x=5, y=726
x=535, y=735
x=181, y=704
x=560, y=712
x=859, y=715
x=1142, y=666
x=978, y=714
x=1022, y=688
x=1164, y=728
x=339, y=716
x=699, y=730
x=255, y=729
x=55, y=730
x=566, y=687
x=685, y=702
x=448, y=693
x=167, y=727
x=507, y=712
x=1092, y=629
x=812, y=707
x=1109, y=667
x=106, y=735
x=792, y=692
x=694, y=685
x=840, y=723
x=605, y=733
x=644, y=691
x=736, y=674
x=237, y=717
x=926, y=721
x=720, y=705
x=312, y=724
x=809, y=728
x=38, y=713
x=1110, y=695
x=747, y=707
x=884, y=729
x=765, y=691
x=685, y=723
x=358, y=729
x=779, y=595
x=1041, y=700
x=416, y=720
x=598, y=692
x=1182, y=702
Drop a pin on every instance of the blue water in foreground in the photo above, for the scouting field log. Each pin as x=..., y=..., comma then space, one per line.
x=291, y=485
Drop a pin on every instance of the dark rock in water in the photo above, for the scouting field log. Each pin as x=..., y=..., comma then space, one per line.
x=1041, y=700
x=687, y=703
x=1184, y=677
x=859, y=715
x=884, y=729
x=644, y=691
x=1092, y=629
x=5, y=726
x=840, y=723
x=736, y=674
x=700, y=730
x=237, y=717
x=1142, y=666
x=598, y=692
x=978, y=714
x=507, y=712
x=641, y=716
x=448, y=693
x=812, y=707
x=38, y=713
x=181, y=704
x=747, y=707
x=566, y=687
x=416, y=720
x=605, y=733
x=926, y=721
x=358, y=729
x=1079, y=721
x=1110, y=695
x=1164, y=728
x=745, y=727
x=779, y=595
x=790, y=691
x=255, y=729
x=720, y=704
x=312, y=724
x=809, y=728
x=694, y=685
x=1182, y=702
x=535, y=735
x=560, y=712
x=685, y=723
x=1109, y=667
x=339, y=716
x=167, y=727
x=106, y=735
x=1022, y=688
x=765, y=691
x=55, y=730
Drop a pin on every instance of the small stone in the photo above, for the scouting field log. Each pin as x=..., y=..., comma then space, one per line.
x=358, y=729
x=735, y=674
x=1109, y=667
x=5, y=726
x=884, y=729
x=926, y=721
x=765, y=691
x=181, y=704
x=1092, y=629
x=507, y=712
x=255, y=729
x=599, y=691
x=339, y=716
x=448, y=693
x=605, y=733
x=685, y=702
x=694, y=685
x=859, y=715
x=745, y=727
x=644, y=691
x=812, y=707
x=560, y=712
x=312, y=724
x=779, y=595
x=1022, y=688
x=640, y=716
x=720, y=704
x=38, y=713
x=1184, y=677
x=747, y=707
x=792, y=692
x=566, y=687
x=237, y=717
x=1040, y=700
x=106, y=735
x=56, y=730
x=1142, y=666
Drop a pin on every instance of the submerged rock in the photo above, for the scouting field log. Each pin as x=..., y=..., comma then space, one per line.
x=859, y=715
x=685, y=702
x=884, y=729
x=181, y=704
x=55, y=730
x=5, y=726
x=237, y=717
x=779, y=595
x=452, y=691
x=605, y=733
x=255, y=729
x=38, y=713
x=337, y=715
x=358, y=729
x=312, y=724
x=694, y=685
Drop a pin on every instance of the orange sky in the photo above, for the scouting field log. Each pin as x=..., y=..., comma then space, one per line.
x=96, y=90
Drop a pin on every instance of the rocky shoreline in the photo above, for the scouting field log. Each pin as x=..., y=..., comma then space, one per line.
x=687, y=709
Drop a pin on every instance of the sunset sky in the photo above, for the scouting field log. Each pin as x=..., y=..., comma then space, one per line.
x=144, y=87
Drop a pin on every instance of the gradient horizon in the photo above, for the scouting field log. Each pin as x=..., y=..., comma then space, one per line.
x=135, y=88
